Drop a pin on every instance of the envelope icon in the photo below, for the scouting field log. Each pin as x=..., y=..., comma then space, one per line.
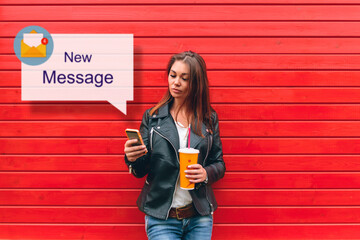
x=31, y=45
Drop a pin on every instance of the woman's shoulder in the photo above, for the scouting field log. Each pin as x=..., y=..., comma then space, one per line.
x=147, y=112
x=214, y=115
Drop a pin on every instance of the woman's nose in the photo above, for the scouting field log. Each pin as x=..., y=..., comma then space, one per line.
x=177, y=81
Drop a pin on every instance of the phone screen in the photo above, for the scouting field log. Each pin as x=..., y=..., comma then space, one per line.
x=134, y=135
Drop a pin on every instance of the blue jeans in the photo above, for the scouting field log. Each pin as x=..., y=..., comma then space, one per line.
x=198, y=228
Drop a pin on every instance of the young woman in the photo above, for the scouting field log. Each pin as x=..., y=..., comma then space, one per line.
x=171, y=212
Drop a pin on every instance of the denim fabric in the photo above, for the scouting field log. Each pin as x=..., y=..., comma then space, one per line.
x=195, y=228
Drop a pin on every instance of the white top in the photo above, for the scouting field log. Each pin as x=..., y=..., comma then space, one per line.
x=181, y=197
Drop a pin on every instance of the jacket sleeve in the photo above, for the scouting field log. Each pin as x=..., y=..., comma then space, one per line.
x=141, y=166
x=215, y=165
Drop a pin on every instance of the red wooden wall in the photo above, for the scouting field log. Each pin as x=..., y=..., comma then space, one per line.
x=285, y=81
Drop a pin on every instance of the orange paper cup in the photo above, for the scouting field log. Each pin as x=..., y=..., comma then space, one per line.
x=188, y=156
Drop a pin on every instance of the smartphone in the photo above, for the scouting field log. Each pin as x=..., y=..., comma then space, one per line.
x=134, y=134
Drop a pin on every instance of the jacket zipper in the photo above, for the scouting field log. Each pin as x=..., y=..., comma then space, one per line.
x=177, y=157
x=211, y=206
x=151, y=134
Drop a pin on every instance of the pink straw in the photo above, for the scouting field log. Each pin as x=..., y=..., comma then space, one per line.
x=189, y=137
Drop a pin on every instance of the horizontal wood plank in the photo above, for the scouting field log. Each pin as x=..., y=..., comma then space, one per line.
x=69, y=197
x=224, y=215
x=232, y=78
x=236, y=61
x=236, y=45
x=220, y=231
x=246, y=180
x=72, y=231
x=227, y=128
x=200, y=29
x=106, y=111
x=183, y=2
x=250, y=163
x=230, y=145
x=224, y=197
x=230, y=95
x=180, y=13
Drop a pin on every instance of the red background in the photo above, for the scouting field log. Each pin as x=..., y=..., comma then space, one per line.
x=285, y=82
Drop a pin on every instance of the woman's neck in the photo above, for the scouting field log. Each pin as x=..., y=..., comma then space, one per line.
x=176, y=105
x=179, y=113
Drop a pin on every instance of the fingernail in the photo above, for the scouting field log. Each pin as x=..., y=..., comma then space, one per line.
x=186, y=171
x=186, y=175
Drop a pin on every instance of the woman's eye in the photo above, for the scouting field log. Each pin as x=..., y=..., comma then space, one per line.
x=172, y=76
x=185, y=79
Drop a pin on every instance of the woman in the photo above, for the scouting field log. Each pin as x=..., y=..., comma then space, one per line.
x=171, y=212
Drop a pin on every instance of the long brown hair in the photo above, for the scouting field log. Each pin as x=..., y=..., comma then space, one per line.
x=197, y=101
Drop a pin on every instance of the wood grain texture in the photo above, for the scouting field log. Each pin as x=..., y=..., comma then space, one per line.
x=234, y=45
x=228, y=128
x=221, y=231
x=225, y=197
x=181, y=13
x=234, y=78
x=123, y=180
x=237, y=61
x=284, y=80
x=131, y=215
x=225, y=95
x=234, y=163
x=176, y=2
x=199, y=29
x=230, y=145
x=234, y=112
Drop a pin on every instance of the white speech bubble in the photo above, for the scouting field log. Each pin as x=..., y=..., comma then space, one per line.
x=104, y=62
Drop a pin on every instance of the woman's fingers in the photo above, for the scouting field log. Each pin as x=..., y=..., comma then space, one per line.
x=134, y=149
x=134, y=152
x=195, y=173
x=130, y=142
x=194, y=176
x=135, y=155
x=196, y=180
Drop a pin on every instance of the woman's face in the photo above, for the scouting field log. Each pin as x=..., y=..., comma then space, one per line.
x=179, y=80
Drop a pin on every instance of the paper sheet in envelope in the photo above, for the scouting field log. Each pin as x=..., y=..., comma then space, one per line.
x=31, y=45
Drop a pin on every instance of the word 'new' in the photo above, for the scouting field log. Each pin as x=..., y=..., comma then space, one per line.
x=77, y=57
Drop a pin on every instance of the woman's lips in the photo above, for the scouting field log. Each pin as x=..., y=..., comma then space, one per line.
x=176, y=90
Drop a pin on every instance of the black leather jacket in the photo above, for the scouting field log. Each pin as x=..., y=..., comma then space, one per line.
x=161, y=164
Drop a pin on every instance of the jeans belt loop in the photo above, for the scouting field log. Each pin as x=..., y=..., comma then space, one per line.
x=177, y=214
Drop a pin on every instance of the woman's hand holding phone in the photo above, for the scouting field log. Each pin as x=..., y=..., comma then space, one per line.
x=134, y=152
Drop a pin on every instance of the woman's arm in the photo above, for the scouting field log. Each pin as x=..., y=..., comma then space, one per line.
x=141, y=166
x=215, y=165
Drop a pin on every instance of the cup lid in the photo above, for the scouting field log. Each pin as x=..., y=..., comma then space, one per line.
x=188, y=150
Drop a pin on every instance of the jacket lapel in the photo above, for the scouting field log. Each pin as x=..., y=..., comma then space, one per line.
x=167, y=126
x=196, y=139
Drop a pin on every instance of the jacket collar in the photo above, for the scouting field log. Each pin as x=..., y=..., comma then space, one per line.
x=167, y=124
x=162, y=112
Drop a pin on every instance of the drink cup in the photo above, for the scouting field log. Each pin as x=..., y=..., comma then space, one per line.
x=188, y=156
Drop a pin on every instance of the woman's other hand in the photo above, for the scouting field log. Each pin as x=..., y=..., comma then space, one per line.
x=134, y=152
x=196, y=173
